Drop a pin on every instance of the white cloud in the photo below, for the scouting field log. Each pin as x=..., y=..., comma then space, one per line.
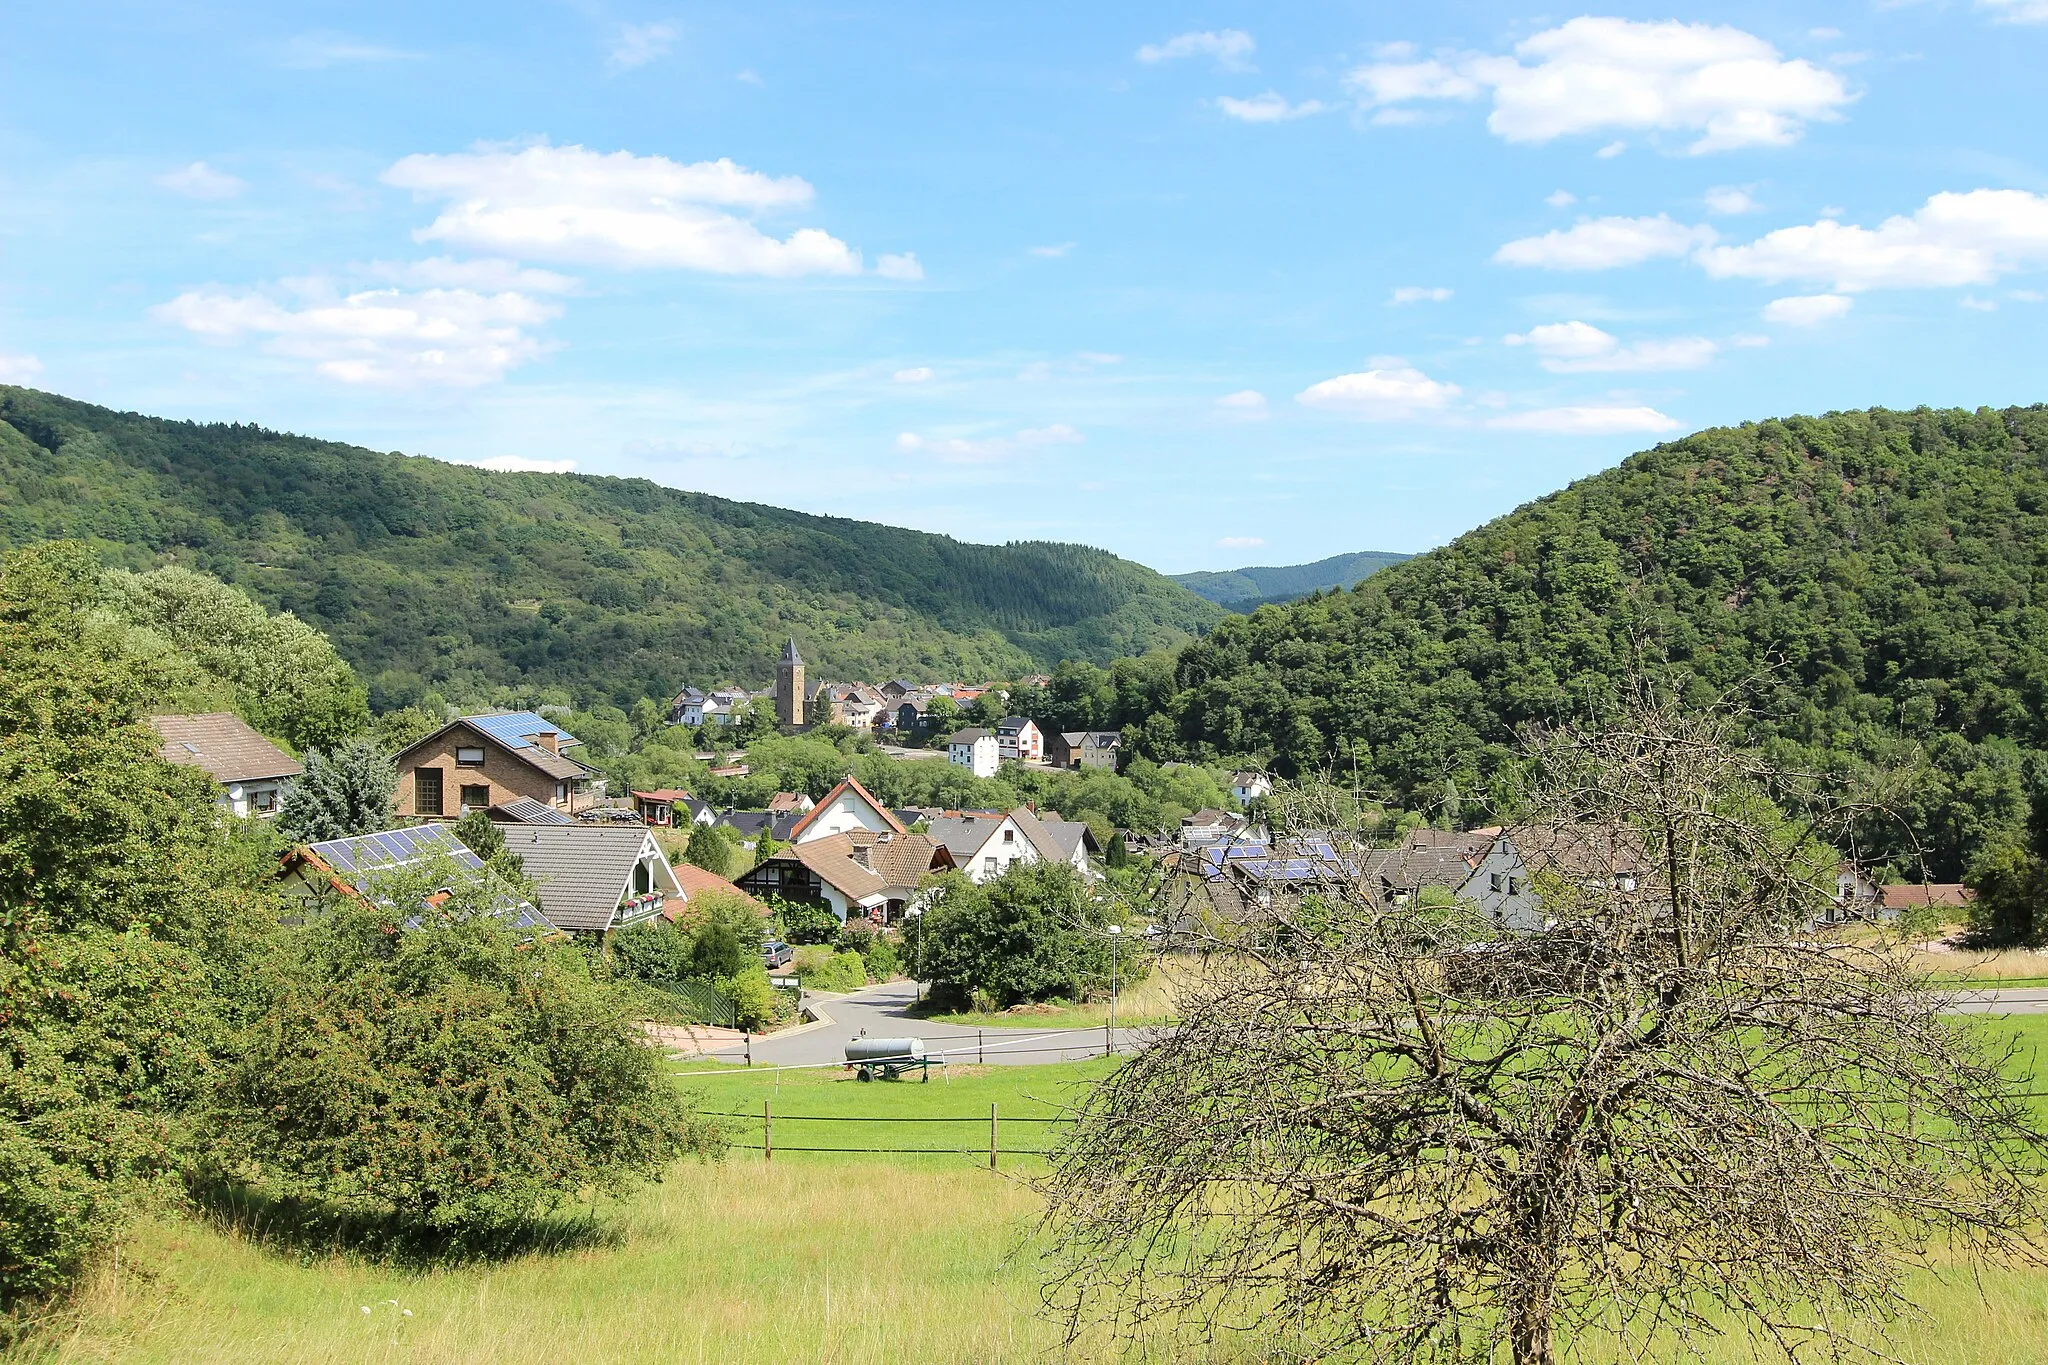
x=916, y=374
x=639, y=44
x=519, y=464
x=1730, y=88
x=1749, y=340
x=1731, y=199
x=378, y=337
x=1977, y=305
x=618, y=209
x=1824, y=35
x=1807, y=310
x=490, y=275
x=1416, y=293
x=201, y=181
x=1581, y=348
x=901, y=266
x=1230, y=47
x=1612, y=150
x=1584, y=421
x=17, y=367
x=1953, y=239
x=1389, y=392
x=324, y=48
x=1604, y=243
x=2016, y=11
x=1271, y=107
x=1246, y=405
x=987, y=450
x=1240, y=542
x=1053, y=252
x=1560, y=199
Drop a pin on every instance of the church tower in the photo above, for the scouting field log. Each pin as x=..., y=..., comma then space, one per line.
x=789, y=688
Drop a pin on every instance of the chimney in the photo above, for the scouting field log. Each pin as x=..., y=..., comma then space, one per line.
x=860, y=855
x=549, y=740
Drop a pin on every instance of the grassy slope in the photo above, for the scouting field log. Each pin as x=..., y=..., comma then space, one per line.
x=1258, y=585
x=426, y=571
x=848, y=1259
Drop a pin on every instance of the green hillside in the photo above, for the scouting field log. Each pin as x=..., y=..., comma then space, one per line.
x=1246, y=590
x=428, y=574
x=1891, y=568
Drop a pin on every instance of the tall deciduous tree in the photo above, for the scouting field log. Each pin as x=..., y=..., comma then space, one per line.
x=1396, y=1132
x=348, y=791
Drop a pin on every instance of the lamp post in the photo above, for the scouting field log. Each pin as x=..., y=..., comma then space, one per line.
x=916, y=912
x=1116, y=932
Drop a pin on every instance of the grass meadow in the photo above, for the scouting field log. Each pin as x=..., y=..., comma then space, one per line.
x=836, y=1256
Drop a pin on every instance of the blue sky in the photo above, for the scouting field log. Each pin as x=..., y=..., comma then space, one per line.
x=1203, y=284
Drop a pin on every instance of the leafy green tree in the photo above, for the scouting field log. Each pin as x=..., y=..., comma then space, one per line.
x=131, y=914
x=654, y=950
x=405, y=727
x=348, y=791
x=455, y=1079
x=283, y=675
x=1033, y=933
x=709, y=849
x=942, y=717
x=807, y=924
x=1117, y=854
x=487, y=841
x=728, y=938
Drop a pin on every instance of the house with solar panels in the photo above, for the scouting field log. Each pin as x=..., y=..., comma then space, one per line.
x=592, y=879
x=478, y=762
x=371, y=867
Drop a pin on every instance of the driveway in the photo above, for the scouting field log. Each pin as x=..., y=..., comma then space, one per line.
x=884, y=1012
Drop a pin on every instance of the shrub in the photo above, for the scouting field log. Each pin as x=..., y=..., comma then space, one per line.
x=451, y=1079
x=808, y=923
x=1034, y=933
x=344, y=792
x=754, y=1001
x=882, y=958
x=839, y=972
x=711, y=850
x=653, y=950
x=728, y=938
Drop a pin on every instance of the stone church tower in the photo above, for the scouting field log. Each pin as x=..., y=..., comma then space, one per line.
x=789, y=688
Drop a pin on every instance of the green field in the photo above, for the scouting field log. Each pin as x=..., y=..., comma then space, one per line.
x=837, y=1256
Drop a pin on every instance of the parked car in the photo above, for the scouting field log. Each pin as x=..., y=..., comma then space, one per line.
x=775, y=953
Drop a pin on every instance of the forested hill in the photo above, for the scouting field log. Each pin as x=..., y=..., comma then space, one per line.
x=431, y=574
x=1894, y=565
x=1248, y=589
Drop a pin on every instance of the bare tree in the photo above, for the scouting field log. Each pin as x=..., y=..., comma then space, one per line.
x=1401, y=1132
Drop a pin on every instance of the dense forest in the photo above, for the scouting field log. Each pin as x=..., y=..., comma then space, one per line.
x=1876, y=582
x=433, y=576
x=1246, y=590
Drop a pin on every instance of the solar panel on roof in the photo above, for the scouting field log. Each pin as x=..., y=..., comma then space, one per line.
x=512, y=730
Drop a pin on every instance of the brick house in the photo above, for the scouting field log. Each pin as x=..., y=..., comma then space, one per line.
x=482, y=761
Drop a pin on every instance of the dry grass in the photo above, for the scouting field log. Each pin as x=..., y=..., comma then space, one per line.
x=1153, y=1000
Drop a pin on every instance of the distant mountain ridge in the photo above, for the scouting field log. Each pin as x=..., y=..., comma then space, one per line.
x=1248, y=589
x=429, y=575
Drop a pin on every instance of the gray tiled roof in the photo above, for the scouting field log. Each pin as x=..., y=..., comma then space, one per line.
x=582, y=872
x=526, y=811
x=967, y=736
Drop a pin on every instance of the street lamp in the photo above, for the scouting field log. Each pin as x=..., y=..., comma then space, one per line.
x=1115, y=932
x=916, y=912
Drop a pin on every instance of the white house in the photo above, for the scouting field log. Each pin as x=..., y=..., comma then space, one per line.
x=977, y=751
x=846, y=808
x=1018, y=740
x=985, y=844
x=1248, y=787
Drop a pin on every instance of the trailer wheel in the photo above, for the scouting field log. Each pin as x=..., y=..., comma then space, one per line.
x=864, y=1074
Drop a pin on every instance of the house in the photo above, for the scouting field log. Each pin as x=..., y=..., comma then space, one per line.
x=1083, y=749
x=913, y=716
x=1041, y=681
x=253, y=773
x=687, y=707
x=852, y=704
x=1018, y=740
x=1248, y=786
x=895, y=690
x=847, y=807
x=364, y=868
x=1896, y=898
x=697, y=884
x=976, y=750
x=787, y=803
x=482, y=761
x=591, y=879
x=986, y=844
x=1209, y=825
x=855, y=872
x=667, y=808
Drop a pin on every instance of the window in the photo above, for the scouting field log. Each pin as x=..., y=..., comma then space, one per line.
x=469, y=757
x=561, y=792
x=1499, y=883
x=426, y=791
x=643, y=879
x=475, y=796
x=1514, y=886
x=1009, y=836
x=988, y=864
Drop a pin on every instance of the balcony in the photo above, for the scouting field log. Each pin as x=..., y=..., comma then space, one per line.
x=642, y=906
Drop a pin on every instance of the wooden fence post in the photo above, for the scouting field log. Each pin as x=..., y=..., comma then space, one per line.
x=767, y=1133
x=992, y=1135
x=750, y=1047
x=980, y=1056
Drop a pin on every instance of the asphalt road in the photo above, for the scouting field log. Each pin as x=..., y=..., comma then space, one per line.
x=883, y=1012
x=2011, y=1000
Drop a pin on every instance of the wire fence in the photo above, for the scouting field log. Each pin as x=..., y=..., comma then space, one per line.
x=993, y=1149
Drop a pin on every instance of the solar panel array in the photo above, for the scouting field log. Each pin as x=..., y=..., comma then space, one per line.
x=1292, y=860
x=512, y=728
x=361, y=858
